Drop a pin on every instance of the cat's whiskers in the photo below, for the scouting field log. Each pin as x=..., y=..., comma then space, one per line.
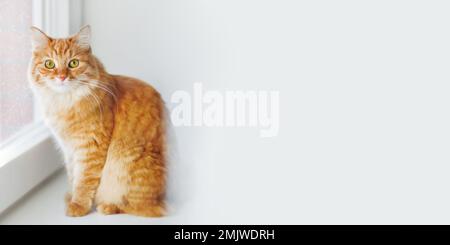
x=99, y=105
x=96, y=100
x=102, y=87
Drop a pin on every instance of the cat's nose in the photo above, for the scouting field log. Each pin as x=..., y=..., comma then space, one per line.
x=62, y=77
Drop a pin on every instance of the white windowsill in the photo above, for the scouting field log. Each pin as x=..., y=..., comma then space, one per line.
x=45, y=205
x=33, y=184
x=23, y=141
x=25, y=161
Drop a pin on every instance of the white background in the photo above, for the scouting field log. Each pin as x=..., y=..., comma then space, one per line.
x=364, y=104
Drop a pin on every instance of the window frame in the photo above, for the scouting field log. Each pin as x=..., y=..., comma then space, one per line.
x=30, y=156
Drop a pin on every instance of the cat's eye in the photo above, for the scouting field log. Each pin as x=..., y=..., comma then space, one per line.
x=49, y=64
x=74, y=63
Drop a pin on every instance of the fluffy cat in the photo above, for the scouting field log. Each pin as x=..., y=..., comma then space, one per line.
x=110, y=128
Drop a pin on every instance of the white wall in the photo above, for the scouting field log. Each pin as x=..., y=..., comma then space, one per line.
x=364, y=104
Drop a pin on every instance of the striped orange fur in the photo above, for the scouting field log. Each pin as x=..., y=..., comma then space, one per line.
x=110, y=128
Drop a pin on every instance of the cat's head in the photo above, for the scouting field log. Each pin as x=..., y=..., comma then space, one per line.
x=64, y=64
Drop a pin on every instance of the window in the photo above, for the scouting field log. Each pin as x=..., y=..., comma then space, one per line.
x=27, y=154
x=16, y=105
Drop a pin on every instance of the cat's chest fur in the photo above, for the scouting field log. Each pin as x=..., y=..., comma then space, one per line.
x=61, y=112
x=64, y=141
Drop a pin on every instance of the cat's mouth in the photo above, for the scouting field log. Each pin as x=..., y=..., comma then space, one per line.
x=59, y=86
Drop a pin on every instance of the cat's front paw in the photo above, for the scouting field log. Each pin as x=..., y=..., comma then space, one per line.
x=76, y=210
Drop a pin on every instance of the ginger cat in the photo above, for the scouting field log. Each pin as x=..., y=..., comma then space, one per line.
x=110, y=128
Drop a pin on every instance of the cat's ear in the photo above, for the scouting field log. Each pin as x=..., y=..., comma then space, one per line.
x=83, y=37
x=38, y=38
